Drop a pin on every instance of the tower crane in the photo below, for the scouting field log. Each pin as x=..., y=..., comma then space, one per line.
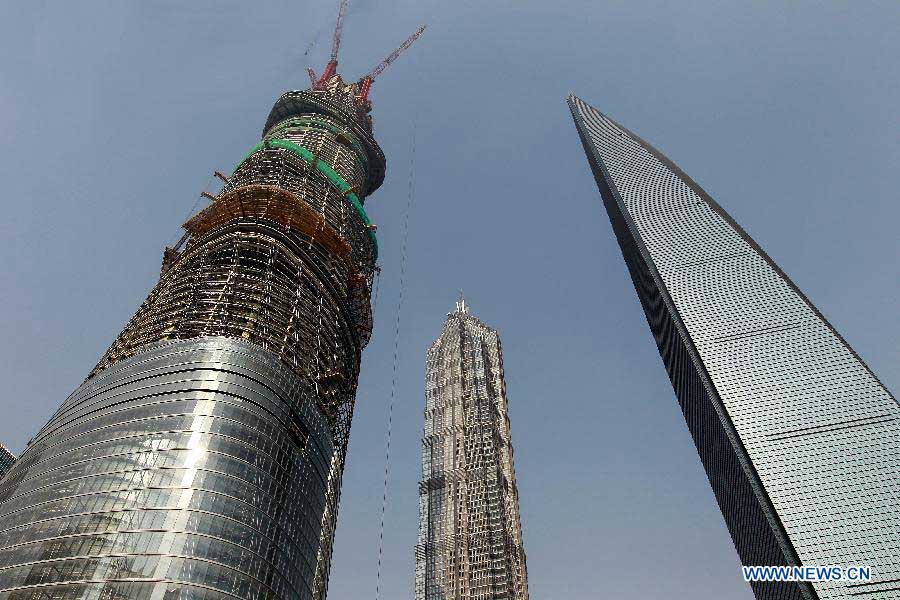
x=365, y=84
x=331, y=67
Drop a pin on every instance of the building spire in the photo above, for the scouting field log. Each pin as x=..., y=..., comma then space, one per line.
x=461, y=304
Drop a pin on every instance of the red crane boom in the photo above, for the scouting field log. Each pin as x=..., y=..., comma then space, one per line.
x=365, y=84
x=331, y=67
x=338, y=28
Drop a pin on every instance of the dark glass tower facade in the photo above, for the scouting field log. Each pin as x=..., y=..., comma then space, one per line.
x=470, y=536
x=800, y=440
x=7, y=459
x=202, y=457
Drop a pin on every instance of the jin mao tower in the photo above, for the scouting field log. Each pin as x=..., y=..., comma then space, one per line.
x=470, y=535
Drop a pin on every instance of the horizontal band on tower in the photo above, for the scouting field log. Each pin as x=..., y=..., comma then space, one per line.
x=297, y=123
x=336, y=180
x=276, y=204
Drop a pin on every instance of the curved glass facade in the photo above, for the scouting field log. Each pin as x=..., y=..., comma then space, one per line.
x=7, y=459
x=194, y=469
x=203, y=456
x=800, y=440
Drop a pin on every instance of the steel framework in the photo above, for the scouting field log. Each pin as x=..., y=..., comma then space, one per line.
x=203, y=455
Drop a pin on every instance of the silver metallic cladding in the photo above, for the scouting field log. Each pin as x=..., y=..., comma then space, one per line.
x=198, y=464
x=725, y=462
x=282, y=262
x=790, y=390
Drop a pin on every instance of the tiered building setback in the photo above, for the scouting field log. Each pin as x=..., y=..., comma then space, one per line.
x=202, y=458
x=800, y=440
x=470, y=536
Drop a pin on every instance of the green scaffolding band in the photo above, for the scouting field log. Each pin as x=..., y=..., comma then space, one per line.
x=322, y=125
x=325, y=169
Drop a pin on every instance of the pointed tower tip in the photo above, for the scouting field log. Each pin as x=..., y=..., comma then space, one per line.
x=461, y=304
x=579, y=106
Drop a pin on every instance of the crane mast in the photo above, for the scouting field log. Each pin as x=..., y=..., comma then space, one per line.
x=331, y=67
x=338, y=28
x=365, y=83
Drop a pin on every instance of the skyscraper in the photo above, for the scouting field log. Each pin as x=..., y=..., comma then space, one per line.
x=7, y=459
x=800, y=440
x=470, y=536
x=203, y=455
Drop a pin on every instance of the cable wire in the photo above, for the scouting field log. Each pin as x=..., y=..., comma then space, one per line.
x=387, y=453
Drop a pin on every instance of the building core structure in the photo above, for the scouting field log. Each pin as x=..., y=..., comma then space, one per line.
x=470, y=535
x=202, y=457
x=799, y=439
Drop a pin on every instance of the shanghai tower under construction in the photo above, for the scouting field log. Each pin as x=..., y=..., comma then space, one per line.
x=202, y=457
x=470, y=535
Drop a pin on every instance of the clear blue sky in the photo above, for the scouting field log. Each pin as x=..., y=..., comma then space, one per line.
x=114, y=114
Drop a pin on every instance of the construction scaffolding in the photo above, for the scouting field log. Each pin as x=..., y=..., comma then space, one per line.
x=284, y=258
x=470, y=536
x=202, y=457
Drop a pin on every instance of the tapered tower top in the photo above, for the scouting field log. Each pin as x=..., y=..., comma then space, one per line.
x=461, y=305
x=333, y=97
